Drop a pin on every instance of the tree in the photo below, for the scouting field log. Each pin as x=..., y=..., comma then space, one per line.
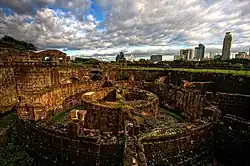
x=142, y=61
x=10, y=42
x=120, y=57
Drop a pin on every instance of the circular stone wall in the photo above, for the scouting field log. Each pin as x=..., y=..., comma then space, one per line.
x=127, y=98
x=108, y=122
x=98, y=139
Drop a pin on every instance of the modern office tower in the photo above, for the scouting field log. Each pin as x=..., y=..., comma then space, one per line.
x=186, y=54
x=177, y=57
x=227, y=43
x=156, y=58
x=200, y=52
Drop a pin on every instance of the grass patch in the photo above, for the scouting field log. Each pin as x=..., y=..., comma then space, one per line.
x=81, y=65
x=176, y=115
x=8, y=119
x=139, y=118
x=14, y=153
x=4, y=110
x=172, y=113
x=62, y=117
x=223, y=71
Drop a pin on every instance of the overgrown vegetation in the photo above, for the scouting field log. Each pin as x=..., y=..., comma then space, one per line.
x=62, y=117
x=10, y=42
x=8, y=120
x=14, y=153
x=172, y=113
x=223, y=71
x=86, y=61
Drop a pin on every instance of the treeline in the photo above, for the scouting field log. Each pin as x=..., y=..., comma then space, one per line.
x=10, y=42
x=86, y=60
x=216, y=64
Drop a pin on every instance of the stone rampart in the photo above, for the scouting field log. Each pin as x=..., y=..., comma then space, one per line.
x=55, y=98
x=56, y=147
x=189, y=102
x=233, y=140
x=8, y=89
x=234, y=104
x=185, y=149
x=226, y=83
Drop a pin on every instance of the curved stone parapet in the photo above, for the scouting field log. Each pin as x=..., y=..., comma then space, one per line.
x=110, y=119
x=54, y=145
x=188, y=148
x=143, y=101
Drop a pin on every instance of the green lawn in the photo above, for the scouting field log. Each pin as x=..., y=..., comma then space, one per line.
x=8, y=119
x=62, y=117
x=234, y=72
x=172, y=113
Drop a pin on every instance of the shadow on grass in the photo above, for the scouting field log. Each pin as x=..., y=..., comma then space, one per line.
x=173, y=113
x=62, y=116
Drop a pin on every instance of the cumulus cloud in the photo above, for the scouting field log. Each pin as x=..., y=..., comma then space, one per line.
x=141, y=26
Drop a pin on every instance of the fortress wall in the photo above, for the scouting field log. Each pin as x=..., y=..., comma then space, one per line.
x=226, y=83
x=59, y=98
x=188, y=149
x=232, y=135
x=189, y=102
x=66, y=73
x=234, y=104
x=8, y=93
x=31, y=80
x=233, y=140
x=54, y=146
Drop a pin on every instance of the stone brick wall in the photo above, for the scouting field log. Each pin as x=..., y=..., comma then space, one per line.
x=234, y=104
x=31, y=80
x=24, y=81
x=55, y=147
x=233, y=140
x=193, y=148
x=56, y=98
x=189, y=102
x=8, y=92
x=98, y=118
x=226, y=83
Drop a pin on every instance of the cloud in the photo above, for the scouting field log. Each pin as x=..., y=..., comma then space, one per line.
x=142, y=26
x=78, y=7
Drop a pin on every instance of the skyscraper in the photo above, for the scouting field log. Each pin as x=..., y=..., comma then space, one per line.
x=227, y=43
x=186, y=54
x=156, y=58
x=200, y=52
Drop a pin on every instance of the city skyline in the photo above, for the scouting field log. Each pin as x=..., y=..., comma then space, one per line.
x=105, y=27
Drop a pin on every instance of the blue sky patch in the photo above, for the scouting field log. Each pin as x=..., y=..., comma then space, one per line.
x=96, y=11
x=7, y=11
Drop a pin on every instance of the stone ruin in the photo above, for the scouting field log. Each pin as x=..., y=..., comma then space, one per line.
x=113, y=122
x=11, y=57
x=119, y=122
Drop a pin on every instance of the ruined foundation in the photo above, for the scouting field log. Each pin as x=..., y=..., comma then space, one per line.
x=121, y=124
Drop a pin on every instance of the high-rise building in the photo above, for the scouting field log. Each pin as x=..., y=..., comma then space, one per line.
x=177, y=57
x=156, y=58
x=241, y=55
x=227, y=43
x=186, y=54
x=200, y=52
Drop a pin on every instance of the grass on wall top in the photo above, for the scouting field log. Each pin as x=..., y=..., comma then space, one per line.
x=223, y=71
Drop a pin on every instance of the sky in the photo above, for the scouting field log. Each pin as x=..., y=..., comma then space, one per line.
x=103, y=28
